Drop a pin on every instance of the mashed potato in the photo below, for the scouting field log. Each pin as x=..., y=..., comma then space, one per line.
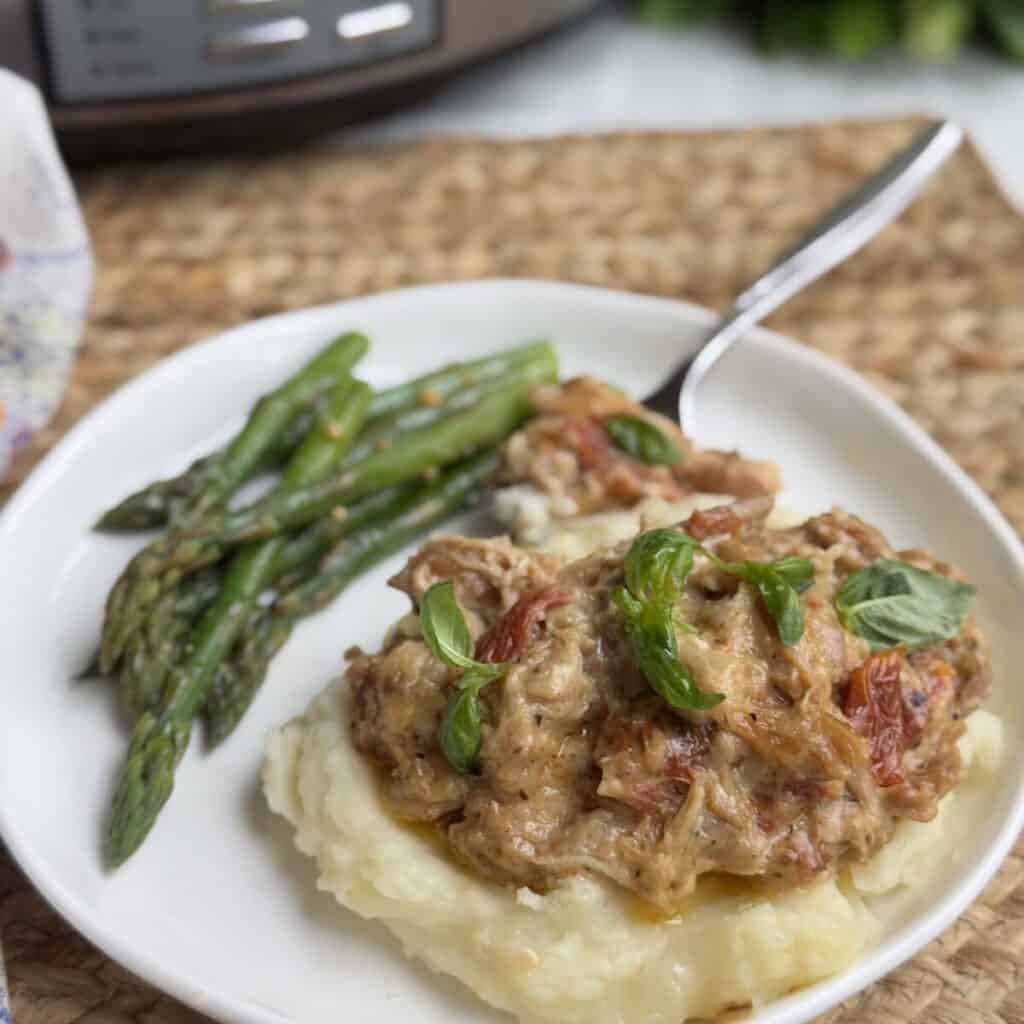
x=586, y=952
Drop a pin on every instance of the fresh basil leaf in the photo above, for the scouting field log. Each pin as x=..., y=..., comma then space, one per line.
x=666, y=674
x=658, y=563
x=890, y=603
x=781, y=600
x=482, y=673
x=461, y=736
x=884, y=578
x=658, y=618
x=444, y=628
x=797, y=572
x=890, y=578
x=642, y=439
x=627, y=603
x=780, y=584
x=446, y=634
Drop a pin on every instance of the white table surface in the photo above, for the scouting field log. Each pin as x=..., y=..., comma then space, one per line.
x=609, y=73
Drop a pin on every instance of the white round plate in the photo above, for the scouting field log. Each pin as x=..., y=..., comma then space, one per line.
x=217, y=908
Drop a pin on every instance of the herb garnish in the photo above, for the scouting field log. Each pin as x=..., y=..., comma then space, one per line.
x=656, y=567
x=658, y=563
x=642, y=439
x=651, y=631
x=780, y=584
x=889, y=603
x=448, y=637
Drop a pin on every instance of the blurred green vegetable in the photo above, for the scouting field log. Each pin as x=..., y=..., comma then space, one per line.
x=1005, y=19
x=927, y=30
x=856, y=29
x=934, y=30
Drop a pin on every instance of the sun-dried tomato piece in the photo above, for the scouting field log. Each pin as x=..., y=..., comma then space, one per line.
x=589, y=440
x=874, y=704
x=507, y=638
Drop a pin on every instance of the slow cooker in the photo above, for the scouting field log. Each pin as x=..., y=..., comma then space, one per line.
x=129, y=77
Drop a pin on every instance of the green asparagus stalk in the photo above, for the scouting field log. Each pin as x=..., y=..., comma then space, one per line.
x=161, y=736
x=156, y=648
x=387, y=430
x=302, y=551
x=232, y=467
x=435, y=387
x=168, y=501
x=150, y=655
x=392, y=411
x=161, y=565
x=422, y=451
x=240, y=678
x=411, y=515
x=449, y=494
x=195, y=595
x=153, y=651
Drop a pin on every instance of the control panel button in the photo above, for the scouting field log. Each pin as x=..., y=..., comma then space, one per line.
x=374, y=21
x=217, y=7
x=136, y=49
x=254, y=40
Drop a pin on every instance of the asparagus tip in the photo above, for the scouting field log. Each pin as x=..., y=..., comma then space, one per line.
x=145, y=785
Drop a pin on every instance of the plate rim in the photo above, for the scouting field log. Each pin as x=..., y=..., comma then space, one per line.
x=794, y=1008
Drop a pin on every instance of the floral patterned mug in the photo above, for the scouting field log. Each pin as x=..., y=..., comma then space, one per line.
x=45, y=280
x=45, y=269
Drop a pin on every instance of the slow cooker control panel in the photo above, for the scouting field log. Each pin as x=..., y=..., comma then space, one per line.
x=131, y=49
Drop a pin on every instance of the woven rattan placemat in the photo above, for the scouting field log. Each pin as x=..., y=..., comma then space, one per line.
x=932, y=312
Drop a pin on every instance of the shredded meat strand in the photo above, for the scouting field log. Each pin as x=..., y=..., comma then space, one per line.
x=704, y=524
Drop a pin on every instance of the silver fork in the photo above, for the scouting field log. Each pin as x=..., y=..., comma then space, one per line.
x=855, y=220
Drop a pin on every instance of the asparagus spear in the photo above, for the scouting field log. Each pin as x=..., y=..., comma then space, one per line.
x=302, y=551
x=450, y=493
x=440, y=384
x=161, y=735
x=193, y=597
x=150, y=655
x=387, y=430
x=232, y=467
x=410, y=516
x=452, y=438
x=239, y=678
x=392, y=411
x=245, y=670
x=156, y=505
x=154, y=649
x=161, y=565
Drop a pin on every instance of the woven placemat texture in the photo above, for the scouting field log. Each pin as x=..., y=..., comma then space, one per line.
x=932, y=312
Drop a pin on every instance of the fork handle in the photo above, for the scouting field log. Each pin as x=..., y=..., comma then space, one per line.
x=855, y=220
